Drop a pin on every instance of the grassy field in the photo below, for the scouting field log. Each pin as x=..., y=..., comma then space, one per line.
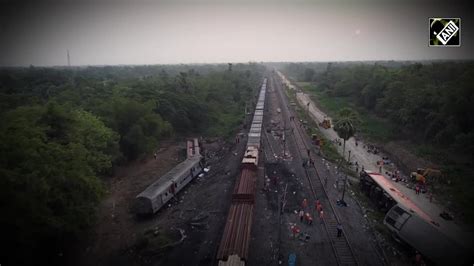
x=372, y=127
x=302, y=84
x=328, y=151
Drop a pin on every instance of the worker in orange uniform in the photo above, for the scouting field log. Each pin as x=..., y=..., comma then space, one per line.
x=321, y=216
x=306, y=217
x=295, y=230
x=319, y=208
x=309, y=219
x=304, y=204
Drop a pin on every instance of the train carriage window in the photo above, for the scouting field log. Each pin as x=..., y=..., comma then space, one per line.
x=398, y=216
x=399, y=210
x=389, y=220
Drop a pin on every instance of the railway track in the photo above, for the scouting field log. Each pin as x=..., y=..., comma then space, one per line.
x=341, y=246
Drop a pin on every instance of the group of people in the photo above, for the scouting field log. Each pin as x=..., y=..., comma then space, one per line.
x=305, y=217
x=337, y=141
x=304, y=214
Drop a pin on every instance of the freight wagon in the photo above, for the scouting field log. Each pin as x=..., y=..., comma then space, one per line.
x=233, y=248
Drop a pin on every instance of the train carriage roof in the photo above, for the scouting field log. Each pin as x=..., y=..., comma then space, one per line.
x=160, y=185
x=397, y=195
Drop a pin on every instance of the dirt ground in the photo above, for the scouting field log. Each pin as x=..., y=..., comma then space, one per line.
x=191, y=224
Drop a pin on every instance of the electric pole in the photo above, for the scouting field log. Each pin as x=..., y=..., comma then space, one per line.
x=68, y=59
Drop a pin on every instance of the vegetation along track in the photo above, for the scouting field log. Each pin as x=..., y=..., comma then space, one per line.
x=343, y=251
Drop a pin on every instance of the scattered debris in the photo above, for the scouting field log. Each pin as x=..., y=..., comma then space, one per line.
x=199, y=217
x=446, y=216
x=199, y=225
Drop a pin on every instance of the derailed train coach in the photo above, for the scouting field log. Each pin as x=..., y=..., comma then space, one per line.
x=408, y=227
x=155, y=196
x=381, y=198
x=409, y=224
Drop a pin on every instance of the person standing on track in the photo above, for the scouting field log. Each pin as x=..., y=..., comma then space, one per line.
x=317, y=203
x=319, y=207
x=301, y=214
x=339, y=230
x=304, y=204
x=321, y=216
x=295, y=230
x=310, y=219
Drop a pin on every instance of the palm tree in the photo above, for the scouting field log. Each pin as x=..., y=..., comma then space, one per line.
x=345, y=126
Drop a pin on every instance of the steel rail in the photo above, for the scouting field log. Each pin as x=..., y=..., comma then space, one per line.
x=342, y=248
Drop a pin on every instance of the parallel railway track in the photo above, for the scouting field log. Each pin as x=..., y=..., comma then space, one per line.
x=341, y=246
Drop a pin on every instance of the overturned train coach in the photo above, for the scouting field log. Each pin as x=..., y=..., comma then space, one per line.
x=409, y=224
x=167, y=186
x=408, y=227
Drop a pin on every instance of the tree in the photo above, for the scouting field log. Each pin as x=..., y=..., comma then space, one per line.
x=49, y=188
x=345, y=126
x=60, y=132
x=308, y=74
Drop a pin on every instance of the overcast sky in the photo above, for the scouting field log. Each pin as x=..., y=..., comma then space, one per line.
x=163, y=32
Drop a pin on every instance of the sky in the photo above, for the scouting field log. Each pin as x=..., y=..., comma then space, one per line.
x=111, y=32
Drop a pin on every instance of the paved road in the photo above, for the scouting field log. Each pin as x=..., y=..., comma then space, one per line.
x=369, y=161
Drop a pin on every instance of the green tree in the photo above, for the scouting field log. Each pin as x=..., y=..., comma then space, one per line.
x=49, y=188
x=308, y=74
x=345, y=125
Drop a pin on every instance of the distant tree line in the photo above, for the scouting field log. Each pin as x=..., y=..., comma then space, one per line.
x=63, y=128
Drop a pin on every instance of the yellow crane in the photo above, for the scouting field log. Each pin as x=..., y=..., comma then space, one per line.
x=422, y=174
